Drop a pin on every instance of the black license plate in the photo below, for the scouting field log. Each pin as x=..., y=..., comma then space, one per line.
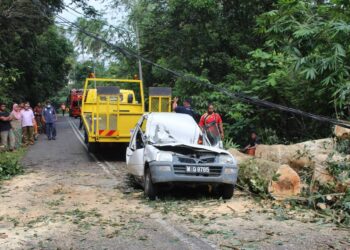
x=195, y=169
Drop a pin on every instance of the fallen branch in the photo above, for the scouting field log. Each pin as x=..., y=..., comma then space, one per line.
x=295, y=198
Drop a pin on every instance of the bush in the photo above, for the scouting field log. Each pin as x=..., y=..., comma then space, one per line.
x=10, y=164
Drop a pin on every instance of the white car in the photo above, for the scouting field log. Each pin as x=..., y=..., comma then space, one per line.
x=167, y=148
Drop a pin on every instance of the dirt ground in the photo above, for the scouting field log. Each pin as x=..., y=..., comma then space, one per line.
x=68, y=199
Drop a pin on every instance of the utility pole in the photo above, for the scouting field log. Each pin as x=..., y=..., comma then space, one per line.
x=138, y=49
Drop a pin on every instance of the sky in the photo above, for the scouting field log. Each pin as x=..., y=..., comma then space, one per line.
x=114, y=16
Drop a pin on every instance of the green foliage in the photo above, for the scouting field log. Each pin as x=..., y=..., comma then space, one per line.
x=250, y=178
x=287, y=52
x=10, y=164
x=343, y=146
x=33, y=52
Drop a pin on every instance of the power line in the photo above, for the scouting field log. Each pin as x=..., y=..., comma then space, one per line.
x=236, y=95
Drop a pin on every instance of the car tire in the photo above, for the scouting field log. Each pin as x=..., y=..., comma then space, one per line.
x=227, y=191
x=150, y=188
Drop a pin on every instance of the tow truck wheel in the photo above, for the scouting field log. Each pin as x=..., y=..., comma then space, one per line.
x=86, y=139
x=227, y=191
x=92, y=147
x=150, y=188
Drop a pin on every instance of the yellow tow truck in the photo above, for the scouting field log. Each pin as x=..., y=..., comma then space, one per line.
x=112, y=107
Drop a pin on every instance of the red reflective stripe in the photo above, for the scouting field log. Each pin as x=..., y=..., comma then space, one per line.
x=101, y=131
x=111, y=132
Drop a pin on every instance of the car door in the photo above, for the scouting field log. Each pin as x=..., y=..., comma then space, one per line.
x=135, y=152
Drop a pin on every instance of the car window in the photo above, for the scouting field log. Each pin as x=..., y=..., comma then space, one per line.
x=132, y=144
x=143, y=126
x=136, y=141
x=139, y=140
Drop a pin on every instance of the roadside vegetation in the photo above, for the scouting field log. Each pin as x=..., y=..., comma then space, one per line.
x=10, y=164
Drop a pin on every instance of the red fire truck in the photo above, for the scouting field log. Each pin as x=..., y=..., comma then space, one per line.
x=74, y=102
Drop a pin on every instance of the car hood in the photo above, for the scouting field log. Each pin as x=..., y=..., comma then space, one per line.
x=193, y=147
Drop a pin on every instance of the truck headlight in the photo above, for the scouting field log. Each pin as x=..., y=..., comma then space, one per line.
x=164, y=156
x=226, y=159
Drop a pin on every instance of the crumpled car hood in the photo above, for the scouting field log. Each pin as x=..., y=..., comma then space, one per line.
x=193, y=146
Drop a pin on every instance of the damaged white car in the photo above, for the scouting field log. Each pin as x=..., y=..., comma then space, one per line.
x=169, y=148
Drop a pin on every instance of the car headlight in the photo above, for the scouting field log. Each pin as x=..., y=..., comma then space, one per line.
x=164, y=168
x=229, y=170
x=164, y=156
x=226, y=159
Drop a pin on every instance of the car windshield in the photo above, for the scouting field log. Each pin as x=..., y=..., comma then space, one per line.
x=179, y=129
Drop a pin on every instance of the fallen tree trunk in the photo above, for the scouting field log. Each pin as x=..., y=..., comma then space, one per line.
x=287, y=184
x=267, y=177
x=312, y=155
x=341, y=132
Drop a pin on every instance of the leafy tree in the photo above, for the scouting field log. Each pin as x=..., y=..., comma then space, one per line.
x=33, y=51
x=303, y=63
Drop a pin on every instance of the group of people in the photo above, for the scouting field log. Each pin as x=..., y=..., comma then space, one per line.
x=23, y=124
x=211, y=123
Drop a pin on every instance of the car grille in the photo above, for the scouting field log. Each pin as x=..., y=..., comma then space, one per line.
x=190, y=160
x=207, y=160
x=186, y=160
x=214, y=171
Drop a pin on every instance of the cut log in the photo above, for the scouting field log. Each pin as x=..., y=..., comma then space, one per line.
x=287, y=183
x=262, y=176
x=309, y=154
x=239, y=156
x=341, y=132
x=296, y=155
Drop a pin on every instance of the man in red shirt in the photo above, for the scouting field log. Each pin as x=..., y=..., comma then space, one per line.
x=211, y=122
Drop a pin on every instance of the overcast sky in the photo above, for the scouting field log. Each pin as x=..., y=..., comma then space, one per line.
x=113, y=16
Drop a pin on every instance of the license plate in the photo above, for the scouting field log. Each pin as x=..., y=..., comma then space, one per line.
x=195, y=169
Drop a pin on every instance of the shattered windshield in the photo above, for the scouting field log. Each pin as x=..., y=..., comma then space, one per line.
x=183, y=130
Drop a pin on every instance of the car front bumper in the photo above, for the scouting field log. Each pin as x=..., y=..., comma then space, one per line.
x=163, y=172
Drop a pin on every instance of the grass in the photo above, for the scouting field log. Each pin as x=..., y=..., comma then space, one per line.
x=10, y=163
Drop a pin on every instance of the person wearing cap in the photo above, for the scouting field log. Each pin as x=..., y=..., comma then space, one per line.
x=186, y=108
x=6, y=133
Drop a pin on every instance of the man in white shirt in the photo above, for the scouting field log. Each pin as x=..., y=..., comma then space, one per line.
x=28, y=120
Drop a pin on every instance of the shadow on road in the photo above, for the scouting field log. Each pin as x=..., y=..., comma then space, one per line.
x=112, y=151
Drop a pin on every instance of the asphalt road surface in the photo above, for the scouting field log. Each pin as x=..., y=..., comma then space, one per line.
x=70, y=199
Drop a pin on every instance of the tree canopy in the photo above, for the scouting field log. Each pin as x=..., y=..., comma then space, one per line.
x=33, y=53
x=290, y=52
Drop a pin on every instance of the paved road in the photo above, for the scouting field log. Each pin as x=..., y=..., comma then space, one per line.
x=69, y=199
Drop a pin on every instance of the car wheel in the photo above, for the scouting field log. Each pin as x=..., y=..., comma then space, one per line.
x=150, y=188
x=227, y=191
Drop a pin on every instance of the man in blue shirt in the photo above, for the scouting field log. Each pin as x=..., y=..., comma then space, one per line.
x=50, y=118
x=186, y=108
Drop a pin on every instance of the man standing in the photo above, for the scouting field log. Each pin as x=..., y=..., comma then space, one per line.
x=186, y=108
x=50, y=118
x=28, y=121
x=7, y=136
